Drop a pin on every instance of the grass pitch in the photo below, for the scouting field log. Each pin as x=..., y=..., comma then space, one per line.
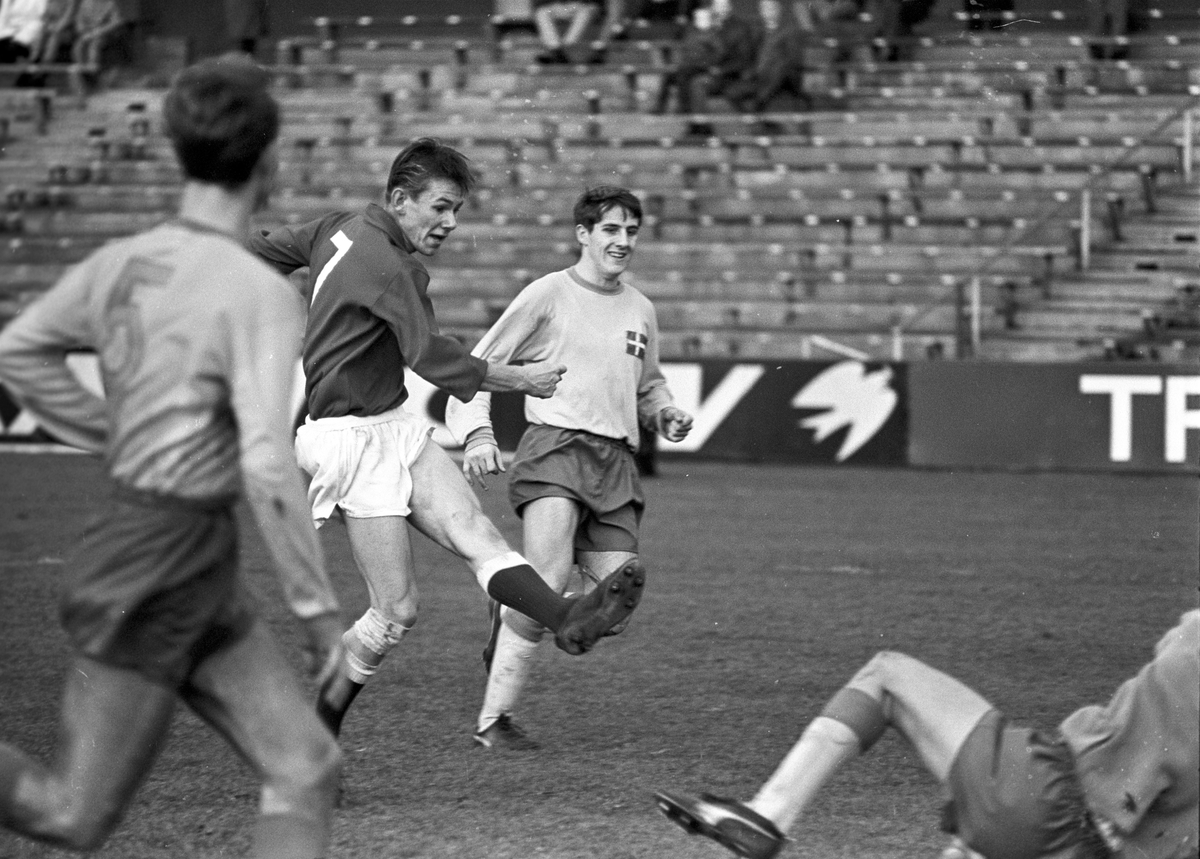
x=768, y=587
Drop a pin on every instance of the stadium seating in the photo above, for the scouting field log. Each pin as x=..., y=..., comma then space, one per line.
x=1046, y=191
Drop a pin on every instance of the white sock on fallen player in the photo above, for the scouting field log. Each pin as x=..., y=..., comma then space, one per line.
x=511, y=666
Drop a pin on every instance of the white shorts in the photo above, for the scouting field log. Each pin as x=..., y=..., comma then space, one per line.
x=361, y=464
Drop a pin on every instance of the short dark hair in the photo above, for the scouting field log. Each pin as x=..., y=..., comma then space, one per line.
x=594, y=202
x=221, y=118
x=426, y=159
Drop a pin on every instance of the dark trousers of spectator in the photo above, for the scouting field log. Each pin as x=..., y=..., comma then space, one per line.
x=12, y=51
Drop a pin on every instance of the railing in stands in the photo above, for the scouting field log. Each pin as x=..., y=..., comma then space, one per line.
x=968, y=294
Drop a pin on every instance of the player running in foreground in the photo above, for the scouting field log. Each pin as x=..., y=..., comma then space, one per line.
x=198, y=343
x=1118, y=780
x=574, y=481
x=370, y=318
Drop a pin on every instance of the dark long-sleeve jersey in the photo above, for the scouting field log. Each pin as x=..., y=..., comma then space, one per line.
x=369, y=316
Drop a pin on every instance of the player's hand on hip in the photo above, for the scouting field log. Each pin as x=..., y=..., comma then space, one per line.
x=674, y=424
x=542, y=378
x=323, y=650
x=482, y=459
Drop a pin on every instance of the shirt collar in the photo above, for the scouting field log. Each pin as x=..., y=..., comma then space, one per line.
x=381, y=219
x=594, y=287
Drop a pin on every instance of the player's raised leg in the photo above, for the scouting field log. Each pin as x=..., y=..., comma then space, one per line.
x=932, y=710
x=383, y=553
x=112, y=724
x=249, y=693
x=445, y=509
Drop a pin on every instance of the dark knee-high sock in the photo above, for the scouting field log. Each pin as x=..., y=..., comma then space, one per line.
x=518, y=586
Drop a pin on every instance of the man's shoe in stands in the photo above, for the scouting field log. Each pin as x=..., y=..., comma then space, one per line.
x=726, y=821
x=553, y=56
x=595, y=613
x=504, y=735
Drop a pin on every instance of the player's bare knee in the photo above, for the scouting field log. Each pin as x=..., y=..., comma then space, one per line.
x=402, y=612
x=884, y=670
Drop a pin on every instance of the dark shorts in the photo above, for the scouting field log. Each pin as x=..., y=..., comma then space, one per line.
x=154, y=586
x=1015, y=795
x=599, y=473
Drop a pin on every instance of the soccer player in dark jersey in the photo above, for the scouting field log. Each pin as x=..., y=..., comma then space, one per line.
x=197, y=342
x=1115, y=781
x=370, y=317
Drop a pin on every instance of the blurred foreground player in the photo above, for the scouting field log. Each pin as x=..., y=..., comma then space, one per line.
x=370, y=321
x=197, y=342
x=574, y=480
x=1118, y=780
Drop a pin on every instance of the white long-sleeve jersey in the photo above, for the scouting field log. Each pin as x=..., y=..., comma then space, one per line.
x=608, y=341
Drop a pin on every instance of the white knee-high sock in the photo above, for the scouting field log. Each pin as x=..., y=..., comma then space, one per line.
x=824, y=746
x=511, y=665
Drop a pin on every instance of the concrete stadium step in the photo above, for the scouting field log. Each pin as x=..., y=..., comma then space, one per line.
x=1066, y=317
x=1112, y=286
x=795, y=316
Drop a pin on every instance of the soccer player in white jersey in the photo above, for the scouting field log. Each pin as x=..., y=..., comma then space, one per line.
x=573, y=481
x=198, y=343
x=1115, y=781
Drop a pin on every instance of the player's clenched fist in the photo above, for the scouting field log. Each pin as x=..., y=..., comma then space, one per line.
x=542, y=378
x=674, y=424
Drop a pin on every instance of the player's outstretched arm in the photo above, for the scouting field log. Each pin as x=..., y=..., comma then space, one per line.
x=537, y=380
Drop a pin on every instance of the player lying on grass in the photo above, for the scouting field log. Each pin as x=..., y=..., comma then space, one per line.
x=198, y=343
x=1118, y=780
x=574, y=481
x=370, y=321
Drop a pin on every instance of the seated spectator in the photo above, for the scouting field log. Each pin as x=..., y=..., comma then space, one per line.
x=716, y=55
x=96, y=21
x=624, y=15
x=245, y=24
x=1108, y=19
x=56, y=18
x=21, y=24
x=892, y=21
x=579, y=15
x=80, y=31
x=779, y=68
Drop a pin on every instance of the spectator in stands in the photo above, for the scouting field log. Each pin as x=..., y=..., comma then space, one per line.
x=21, y=25
x=624, y=15
x=716, y=55
x=547, y=15
x=96, y=22
x=56, y=17
x=245, y=24
x=779, y=67
x=892, y=22
x=1108, y=19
